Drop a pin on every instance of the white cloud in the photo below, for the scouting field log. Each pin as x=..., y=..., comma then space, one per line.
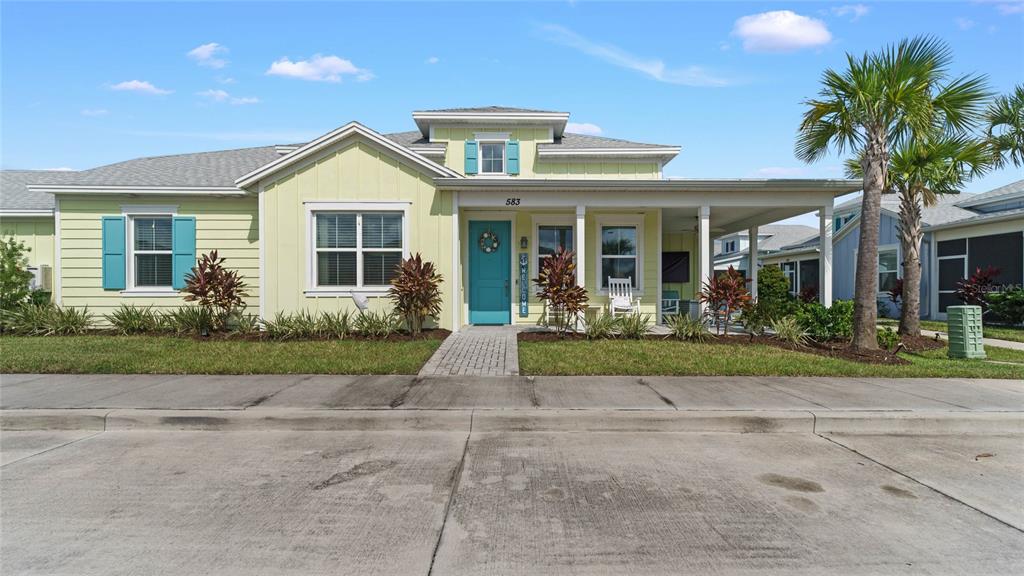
x=225, y=80
x=224, y=96
x=208, y=55
x=268, y=136
x=319, y=69
x=653, y=68
x=583, y=128
x=855, y=11
x=139, y=86
x=1006, y=7
x=964, y=23
x=780, y=31
x=95, y=112
x=779, y=172
x=433, y=60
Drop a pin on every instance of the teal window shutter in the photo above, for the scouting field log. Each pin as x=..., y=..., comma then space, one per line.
x=512, y=154
x=113, y=231
x=471, y=157
x=183, y=242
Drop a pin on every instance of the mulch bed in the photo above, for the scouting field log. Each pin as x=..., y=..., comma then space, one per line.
x=435, y=334
x=829, y=349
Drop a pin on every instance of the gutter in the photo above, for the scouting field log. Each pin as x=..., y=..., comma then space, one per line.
x=838, y=187
x=140, y=190
x=25, y=213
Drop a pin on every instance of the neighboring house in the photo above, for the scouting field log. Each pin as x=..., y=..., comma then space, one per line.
x=484, y=193
x=962, y=233
x=734, y=249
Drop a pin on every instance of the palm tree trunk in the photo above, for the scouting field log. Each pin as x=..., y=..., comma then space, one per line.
x=865, y=304
x=911, y=234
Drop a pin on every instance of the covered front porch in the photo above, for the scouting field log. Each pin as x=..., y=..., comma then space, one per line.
x=658, y=234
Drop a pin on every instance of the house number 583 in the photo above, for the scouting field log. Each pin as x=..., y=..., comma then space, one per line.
x=511, y=201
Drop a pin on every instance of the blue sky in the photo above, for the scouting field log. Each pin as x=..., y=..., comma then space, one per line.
x=88, y=84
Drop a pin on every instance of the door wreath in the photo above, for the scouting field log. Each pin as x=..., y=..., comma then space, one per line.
x=489, y=242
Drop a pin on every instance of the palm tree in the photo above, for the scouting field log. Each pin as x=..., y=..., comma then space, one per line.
x=880, y=100
x=1005, y=128
x=919, y=171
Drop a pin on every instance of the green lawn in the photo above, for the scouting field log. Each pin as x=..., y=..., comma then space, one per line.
x=999, y=332
x=674, y=358
x=100, y=354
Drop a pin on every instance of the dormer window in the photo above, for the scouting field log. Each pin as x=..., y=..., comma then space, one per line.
x=730, y=246
x=492, y=157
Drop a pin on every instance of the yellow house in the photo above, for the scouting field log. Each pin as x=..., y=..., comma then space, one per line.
x=484, y=193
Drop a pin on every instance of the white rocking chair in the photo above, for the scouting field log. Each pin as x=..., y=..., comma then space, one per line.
x=620, y=296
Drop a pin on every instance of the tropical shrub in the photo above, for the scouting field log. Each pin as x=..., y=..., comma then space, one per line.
x=724, y=294
x=603, y=326
x=48, y=320
x=973, y=291
x=247, y=324
x=896, y=292
x=134, y=320
x=197, y=320
x=334, y=324
x=634, y=326
x=215, y=288
x=40, y=297
x=809, y=294
x=888, y=339
x=790, y=330
x=379, y=324
x=824, y=324
x=15, y=277
x=416, y=292
x=755, y=319
x=300, y=325
x=1008, y=304
x=564, y=300
x=773, y=295
x=682, y=327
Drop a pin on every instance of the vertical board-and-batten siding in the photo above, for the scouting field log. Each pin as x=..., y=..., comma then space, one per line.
x=530, y=166
x=228, y=225
x=35, y=232
x=354, y=170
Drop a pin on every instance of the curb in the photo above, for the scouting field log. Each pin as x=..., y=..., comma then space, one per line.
x=553, y=421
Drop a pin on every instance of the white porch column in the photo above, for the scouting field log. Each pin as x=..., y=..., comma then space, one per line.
x=581, y=245
x=752, y=257
x=825, y=262
x=456, y=265
x=704, y=247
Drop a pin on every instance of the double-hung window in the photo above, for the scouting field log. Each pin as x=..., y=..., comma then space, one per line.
x=357, y=249
x=151, y=257
x=888, y=269
x=619, y=253
x=492, y=157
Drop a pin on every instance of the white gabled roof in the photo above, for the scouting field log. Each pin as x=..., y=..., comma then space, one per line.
x=335, y=136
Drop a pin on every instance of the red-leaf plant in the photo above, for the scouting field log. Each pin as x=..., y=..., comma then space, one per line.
x=974, y=290
x=564, y=299
x=416, y=291
x=725, y=293
x=216, y=288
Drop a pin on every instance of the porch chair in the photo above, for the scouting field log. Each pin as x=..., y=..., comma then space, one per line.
x=620, y=296
x=670, y=302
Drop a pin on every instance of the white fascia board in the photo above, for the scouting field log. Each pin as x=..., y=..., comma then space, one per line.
x=140, y=190
x=976, y=220
x=429, y=152
x=24, y=213
x=425, y=120
x=663, y=152
x=329, y=139
x=836, y=187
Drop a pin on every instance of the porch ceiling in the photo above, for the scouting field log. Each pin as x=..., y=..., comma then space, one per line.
x=728, y=219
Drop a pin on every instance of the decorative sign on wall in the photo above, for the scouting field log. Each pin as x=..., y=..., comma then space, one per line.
x=524, y=284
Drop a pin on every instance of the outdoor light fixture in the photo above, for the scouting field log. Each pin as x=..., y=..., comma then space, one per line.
x=522, y=242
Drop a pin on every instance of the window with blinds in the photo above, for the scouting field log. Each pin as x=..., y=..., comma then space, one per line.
x=151, y=252
x=356, y=249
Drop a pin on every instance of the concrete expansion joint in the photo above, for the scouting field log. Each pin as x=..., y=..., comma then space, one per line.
x=456, y=481
x=919, y=482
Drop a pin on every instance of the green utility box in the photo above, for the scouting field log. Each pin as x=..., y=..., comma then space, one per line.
x=964, y=327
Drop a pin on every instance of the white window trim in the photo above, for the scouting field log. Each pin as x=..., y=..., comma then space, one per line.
x=548, y=220
x=899, y=267
x=360, y=208
x=131, y=212
x=620, y=220
x=504, y=156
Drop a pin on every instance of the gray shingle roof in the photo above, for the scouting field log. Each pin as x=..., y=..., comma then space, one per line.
x=219, y=168
x=1008, y=191
x=569, y=140
x=945, y=210
x=491, y=110
x=779, y=236
x=413, y=138
x=14, y=192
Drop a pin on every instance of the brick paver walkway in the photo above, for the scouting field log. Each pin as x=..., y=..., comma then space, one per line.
x=476, y=351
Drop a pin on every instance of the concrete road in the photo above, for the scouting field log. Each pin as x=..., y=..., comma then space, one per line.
x=452, y=503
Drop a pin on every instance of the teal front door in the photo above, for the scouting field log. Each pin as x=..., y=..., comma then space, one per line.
x=490, y=266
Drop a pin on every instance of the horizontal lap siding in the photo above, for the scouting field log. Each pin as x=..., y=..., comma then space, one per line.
x=35, y=233
x=355, y=171
x=683, y=242
x=228, y=225
x=530, y=166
